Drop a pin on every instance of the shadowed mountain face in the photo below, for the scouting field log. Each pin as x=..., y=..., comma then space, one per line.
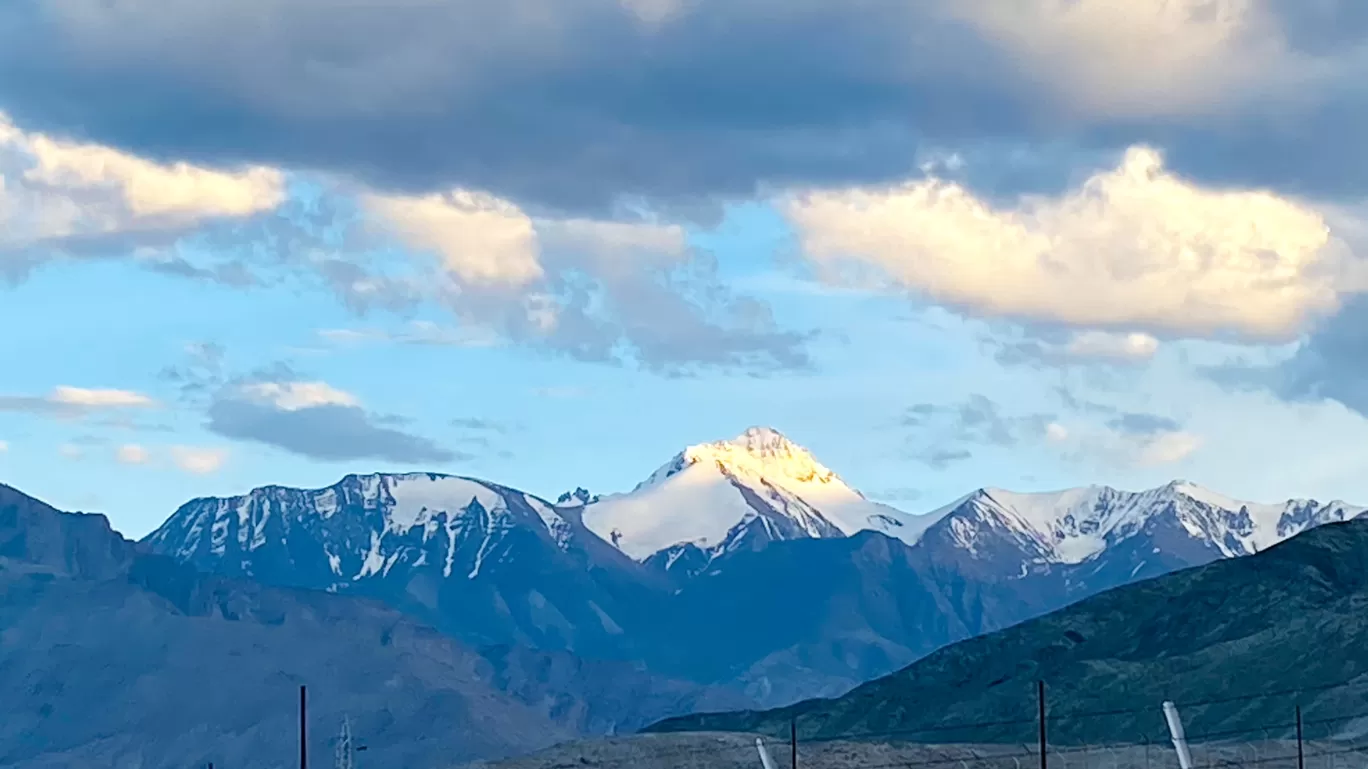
x=112, y=658
x=1237, y=644
x=485, y=562
x=34, y=538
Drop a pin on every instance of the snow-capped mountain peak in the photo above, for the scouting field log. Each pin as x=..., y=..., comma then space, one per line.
x=361, y=527
x=759, y=452
x=1075, y=525
x=718, y=496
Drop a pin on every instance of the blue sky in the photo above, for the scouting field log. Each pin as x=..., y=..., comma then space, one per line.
x=932, y=301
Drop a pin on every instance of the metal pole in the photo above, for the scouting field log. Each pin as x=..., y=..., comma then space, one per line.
x=793, y=741
x=1301, y=759
x=765, y=759
x=303, y=728
x=1040, y=701
x=1175, y=725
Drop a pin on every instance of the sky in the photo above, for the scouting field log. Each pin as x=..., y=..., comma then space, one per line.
x=943, y=244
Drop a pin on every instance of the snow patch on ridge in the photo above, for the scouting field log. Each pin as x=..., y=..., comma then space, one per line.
x=1075, y=525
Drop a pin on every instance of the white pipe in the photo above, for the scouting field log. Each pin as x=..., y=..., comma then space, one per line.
x=1175, y=725
x=764, y=754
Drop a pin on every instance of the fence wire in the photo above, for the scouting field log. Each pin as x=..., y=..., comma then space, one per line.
x=1255, y=729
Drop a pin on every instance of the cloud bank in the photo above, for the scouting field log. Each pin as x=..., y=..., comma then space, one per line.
x=1135, y=247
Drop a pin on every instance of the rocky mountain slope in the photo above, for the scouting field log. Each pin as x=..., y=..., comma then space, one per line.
x=491, y=564
x=110, y=657
x=819, y=588
x=1237, y=644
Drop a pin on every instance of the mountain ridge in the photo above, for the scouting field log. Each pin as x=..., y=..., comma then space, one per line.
x=762, y=468
x=204, y=667
x=1287, y=621
x=496, y=566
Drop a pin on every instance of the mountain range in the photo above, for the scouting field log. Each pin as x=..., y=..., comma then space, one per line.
x=740, y=574
x=819, y=588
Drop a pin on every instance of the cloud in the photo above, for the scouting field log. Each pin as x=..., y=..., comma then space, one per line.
x=1331, y=363
x=584, y=101
x=198, y=461
x=1045, y=348
x=230, y=274
x=4, y=446
x=565, y=101
x=946, y=434
x=1056, y=433
x=67, y=401
x=1135, y=247
x=1131, y=439
x=599, y=290
x=1167, y=448
x=71, y=451
x=898, y=494
x=85, y=398
x=294, y=396
x=1143, y=424
x=480, y=239
x=940, y=459
x=1100, y=345
x=60, y=196
x=976, y=420
x=1138, y=59
x=314, y=420
x=478, y=423
x=418, y=332
x=943, y=433
x=132, y=454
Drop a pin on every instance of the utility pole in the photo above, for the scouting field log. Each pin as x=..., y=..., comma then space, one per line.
x=303, y=728
x=1301, y=759
x=793, y=741
x=1040, y=701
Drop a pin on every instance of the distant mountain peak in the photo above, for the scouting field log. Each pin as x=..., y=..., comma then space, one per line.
x=758, y=453
x=1075, y=525
x=361, y=527
x=739, y=493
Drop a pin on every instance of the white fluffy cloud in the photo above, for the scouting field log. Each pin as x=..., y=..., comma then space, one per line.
x=1135, y=247
x=74, y=402
x=199, y=461
x=1102, y=345
x=589, y=287
x=132, y=454
x=487, y=242
x=480, y=239
x=1165, y=448
x=57, y=195
x=99, y=398
x=293, y=396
